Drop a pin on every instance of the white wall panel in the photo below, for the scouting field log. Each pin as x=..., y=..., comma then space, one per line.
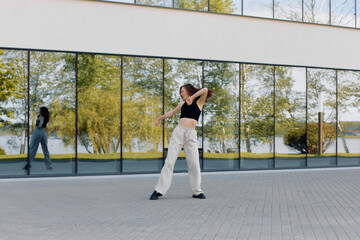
x=95, y=26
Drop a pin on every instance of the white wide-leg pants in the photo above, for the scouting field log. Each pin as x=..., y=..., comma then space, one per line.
x=187, y=138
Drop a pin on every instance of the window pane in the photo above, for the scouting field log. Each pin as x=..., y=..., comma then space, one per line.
x=201, y=5
x=317, y=11
x=288, y=10
x=349, y=118
x=258, y=8
x=121, y=1
x=343, y=13
x=13, y=112
x=178, y=73
x=321, y=100
x=52, y=84
x=226, y=6
x=164, y=3
x=257, y=116
x=358, y=13
x=99, y=90
x=290, y=117
x=142, y=104
x=221, y=117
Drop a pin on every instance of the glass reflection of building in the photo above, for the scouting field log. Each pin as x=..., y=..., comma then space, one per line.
x=103, y=105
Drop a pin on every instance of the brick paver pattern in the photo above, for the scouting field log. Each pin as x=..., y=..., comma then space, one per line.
x=284, y=204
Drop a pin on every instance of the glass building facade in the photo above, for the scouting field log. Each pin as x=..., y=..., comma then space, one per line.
x=345, y=13
x=103, y=108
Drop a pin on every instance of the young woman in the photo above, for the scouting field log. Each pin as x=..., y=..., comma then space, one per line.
x=184, y=136
x=40, y=136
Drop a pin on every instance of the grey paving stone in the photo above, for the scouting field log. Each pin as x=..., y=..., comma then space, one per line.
x=286, y=204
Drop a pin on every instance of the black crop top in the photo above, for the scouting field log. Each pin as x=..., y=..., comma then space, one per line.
x=191, y=111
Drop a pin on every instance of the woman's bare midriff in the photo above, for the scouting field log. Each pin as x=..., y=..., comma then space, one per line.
x=187, y=122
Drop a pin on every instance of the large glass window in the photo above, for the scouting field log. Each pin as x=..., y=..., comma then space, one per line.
x=348, y=127
x=99, y=89
x=343, y=13
x=257, y=116
x=258, y=8
x=13, y=112
x=221, y=117
x=226, y=6
x=142, y=104
x=290, y=117
x=288, y=10
x=201, y=5
x=317, y=11
x=52, y=84
x=178, y=73
x=321, y=121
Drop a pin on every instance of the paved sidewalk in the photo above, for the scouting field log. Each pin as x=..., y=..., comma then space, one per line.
x=285, y=204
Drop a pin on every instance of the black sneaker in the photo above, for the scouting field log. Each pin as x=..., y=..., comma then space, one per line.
x=27, y=166
x=155, y=195
x=200, y=196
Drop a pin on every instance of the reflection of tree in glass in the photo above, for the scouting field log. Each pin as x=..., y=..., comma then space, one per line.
x=288, y=9
x=167, y=3
x=343, y=13
x=296, y=138
x=257, y=104
x=322, y=81
x=201, y=5
x=99, y=103
x=142, y=103
x=13, y=96
x=290, y=105
x=52, y=84
x=348, y=102
x=316, y=11
x=222, y=112
x=222, y=6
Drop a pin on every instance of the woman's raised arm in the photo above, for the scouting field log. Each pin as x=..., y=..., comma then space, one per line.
x=169, y=114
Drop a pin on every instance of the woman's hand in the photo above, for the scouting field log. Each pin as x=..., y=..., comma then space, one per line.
x=189, y=101
x=157, y=122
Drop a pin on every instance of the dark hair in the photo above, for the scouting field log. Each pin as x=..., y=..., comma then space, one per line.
x=192, y=90
x=45, y=112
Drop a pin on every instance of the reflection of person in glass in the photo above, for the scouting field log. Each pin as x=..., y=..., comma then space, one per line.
x=40, y=136
x=184, y=136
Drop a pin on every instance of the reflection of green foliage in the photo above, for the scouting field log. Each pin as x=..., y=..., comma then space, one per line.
x=257, y=84
x=222, y=111
x=191, y=4
x=223, y=6
x=142, y=104
x=99, y=103
x=9, y=84
x=2, y=151
x=296, y=138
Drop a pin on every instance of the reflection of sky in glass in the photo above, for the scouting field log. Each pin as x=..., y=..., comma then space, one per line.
x=258, y=8
x=316, y=11
x=342, y=13
x=288, y=10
